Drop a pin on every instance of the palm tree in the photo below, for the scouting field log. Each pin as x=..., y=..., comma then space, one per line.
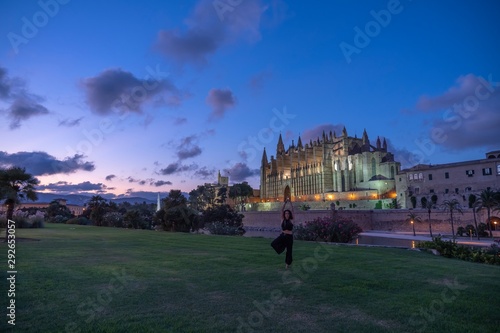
x=488, y=199
x=412, y=218
x=451, y=206
x=474, y=205
x=16, y=185
x=429, y=205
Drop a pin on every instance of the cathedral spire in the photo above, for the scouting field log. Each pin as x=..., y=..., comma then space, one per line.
x=299, y=143
x=264, y=157
x=281, y=147
x=378, y=143
x=365, y=137
x=384, y=145
x=344, y=133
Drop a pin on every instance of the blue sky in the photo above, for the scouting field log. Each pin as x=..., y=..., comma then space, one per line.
x=131, y=97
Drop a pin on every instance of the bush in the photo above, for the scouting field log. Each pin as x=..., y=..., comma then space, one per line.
x=79, y=220
x=304, y=207
x=327, y=229
x=451, y=249
x=221, y=228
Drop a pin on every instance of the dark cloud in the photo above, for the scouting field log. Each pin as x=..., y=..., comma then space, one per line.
x=406, y=157
x=23, y=109
x=188, y=148
x=177, y=167
x=470, y=115
x=115, y=89
x=240, y=172
x=70, y=123
x=220, y=100
x=208, y=28
x=205, y=173
x=41, y=163
x=160, y=183
x=65, y=187
x=23, y=104
x=110, y=177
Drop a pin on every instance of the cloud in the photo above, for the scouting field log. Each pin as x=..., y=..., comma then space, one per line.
x=23, y=109
x=110, y=177
x=65, y=187
x=180, y=121
x=317, y=132
x=240, y=172
x=220, y=100
x=159, y=183
x=188, y=148
x=209, y=27
x=41, y=163
x=23, y=104
x=205, y=173
x=257, y=81
x=116, y=89
x=70, y=123
x=470, y=116
x=177, y=167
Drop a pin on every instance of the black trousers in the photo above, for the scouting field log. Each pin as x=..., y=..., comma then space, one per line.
x=289, y=247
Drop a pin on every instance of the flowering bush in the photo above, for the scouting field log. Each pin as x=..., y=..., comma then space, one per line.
x=327, y=229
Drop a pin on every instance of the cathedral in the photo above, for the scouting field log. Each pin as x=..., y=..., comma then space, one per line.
x=329, y=168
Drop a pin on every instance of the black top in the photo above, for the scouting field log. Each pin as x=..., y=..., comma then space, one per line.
x=287, y=225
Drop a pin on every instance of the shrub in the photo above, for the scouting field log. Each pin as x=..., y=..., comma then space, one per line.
x=327, y=229
x=451, y=249
x=222, y=228
x=304, y=207
x=79, y=220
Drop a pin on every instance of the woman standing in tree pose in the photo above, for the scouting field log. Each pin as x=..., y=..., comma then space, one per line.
x=287, y=227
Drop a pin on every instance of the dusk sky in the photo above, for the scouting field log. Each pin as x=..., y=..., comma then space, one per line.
x=129, y=97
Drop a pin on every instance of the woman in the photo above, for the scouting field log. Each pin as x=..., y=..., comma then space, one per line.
x=287, y=228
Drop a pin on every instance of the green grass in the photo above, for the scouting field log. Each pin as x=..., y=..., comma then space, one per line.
x=67, y=281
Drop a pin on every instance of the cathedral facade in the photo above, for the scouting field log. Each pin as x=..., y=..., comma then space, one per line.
x=330, y=168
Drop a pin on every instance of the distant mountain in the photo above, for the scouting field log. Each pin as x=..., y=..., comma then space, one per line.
x=81, y=200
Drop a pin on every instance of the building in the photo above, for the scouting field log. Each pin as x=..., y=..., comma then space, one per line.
x=449, y=181
x=330, y=168
x=75, y=209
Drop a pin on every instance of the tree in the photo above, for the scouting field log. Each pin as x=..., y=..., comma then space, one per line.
x=16, y=185
x=413, y=218
x=176, y=215
x=222, y=219
x=240, y=193
x=54, y=209
x=452, y=206
x=474, y=205
x=429, y=205
x=488, y=199
x=97, y=207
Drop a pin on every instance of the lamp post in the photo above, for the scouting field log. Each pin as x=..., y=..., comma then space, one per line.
x=413, y=226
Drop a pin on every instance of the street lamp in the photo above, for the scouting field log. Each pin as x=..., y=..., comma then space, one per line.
x=413, y=226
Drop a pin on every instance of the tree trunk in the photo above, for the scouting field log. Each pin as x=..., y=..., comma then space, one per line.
x=430, y=227
x=489, y=223
x=475, y=223
x=452, y=227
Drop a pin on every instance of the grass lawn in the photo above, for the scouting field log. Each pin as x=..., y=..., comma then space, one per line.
x=96, y=279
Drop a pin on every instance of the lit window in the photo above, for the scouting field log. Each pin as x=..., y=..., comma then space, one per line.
x=420, y=176
x=498, y=169
x=410, y=176
x=469, y=173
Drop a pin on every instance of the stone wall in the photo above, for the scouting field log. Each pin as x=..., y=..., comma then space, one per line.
x=394, y=220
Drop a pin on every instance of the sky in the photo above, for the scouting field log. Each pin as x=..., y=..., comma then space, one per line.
x=131, y=98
